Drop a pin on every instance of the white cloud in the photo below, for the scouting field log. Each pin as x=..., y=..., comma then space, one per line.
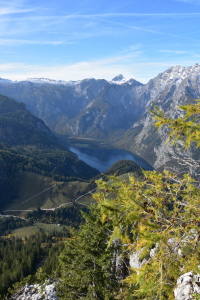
x=103, y=68
x=130, y=64
x=60, y=19
x=135, y=27
x=173, y=52
x=18, y=42
x=10, y=10
x=128, y=15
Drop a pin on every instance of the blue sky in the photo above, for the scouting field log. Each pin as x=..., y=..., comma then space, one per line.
x=73, y=39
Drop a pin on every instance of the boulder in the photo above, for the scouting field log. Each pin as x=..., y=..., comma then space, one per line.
x=187, y=285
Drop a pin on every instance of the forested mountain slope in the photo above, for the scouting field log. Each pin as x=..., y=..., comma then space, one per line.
x=116, y=111
x=27, y=144
x=18, y=127
x=151, y=231
x=143, y=234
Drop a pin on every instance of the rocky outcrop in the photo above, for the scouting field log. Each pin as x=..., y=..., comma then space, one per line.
x=134, y=259
x=175, y=87
x=44, y=291
x=188, y=286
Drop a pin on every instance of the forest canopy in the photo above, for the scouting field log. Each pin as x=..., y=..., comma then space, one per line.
x=150, y=226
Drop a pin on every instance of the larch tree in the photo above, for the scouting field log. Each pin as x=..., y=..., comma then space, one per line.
x=157, y=217
x=160, y=213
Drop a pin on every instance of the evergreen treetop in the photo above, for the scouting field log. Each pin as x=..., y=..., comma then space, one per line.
x=160, y=213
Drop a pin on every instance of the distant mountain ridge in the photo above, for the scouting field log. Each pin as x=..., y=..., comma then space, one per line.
x=116, y=110
x=175, y=87
x=78, y=108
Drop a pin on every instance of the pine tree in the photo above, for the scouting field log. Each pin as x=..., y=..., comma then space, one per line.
x=162, y=213
x=87, y=264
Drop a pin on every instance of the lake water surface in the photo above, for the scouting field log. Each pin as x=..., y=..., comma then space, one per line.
x=102, y=159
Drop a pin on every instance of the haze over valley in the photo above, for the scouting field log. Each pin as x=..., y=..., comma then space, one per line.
x=99, y=150
x=112, y=112
x=58, y=138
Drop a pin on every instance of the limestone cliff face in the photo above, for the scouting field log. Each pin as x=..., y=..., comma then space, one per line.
x=144, y=139
x=86, y=107
x=54, y=103
x=116, y=110
x=187, y=285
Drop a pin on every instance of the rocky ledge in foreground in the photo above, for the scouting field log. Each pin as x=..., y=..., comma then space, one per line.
x=44, y=291
x=188, y=286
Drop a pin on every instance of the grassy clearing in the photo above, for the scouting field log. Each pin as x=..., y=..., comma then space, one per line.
x=39, y=191
x=30, y=230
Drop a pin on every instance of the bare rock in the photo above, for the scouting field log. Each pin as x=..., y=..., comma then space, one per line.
x=44, y=291
x=187, y=285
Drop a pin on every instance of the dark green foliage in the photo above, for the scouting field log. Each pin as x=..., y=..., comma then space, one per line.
x=50, y=266
x=8, y=105
x=70, y=216
x=26, y=144
x=60, y=165
x=31, y=139
x=87, y=264
x=9, y=223
x=57, y=164
x=18, y=259
x=122, y=167
x=10, y=165
x=19, y=127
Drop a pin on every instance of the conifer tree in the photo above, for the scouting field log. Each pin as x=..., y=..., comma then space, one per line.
x=87, y=264
x=186, y=128
x=159, y=215
x=158, y=218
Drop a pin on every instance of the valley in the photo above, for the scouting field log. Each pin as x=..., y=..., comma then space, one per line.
x=102, y=158
x=96, y=121
x=66, y=146
x=99, y=113
x=36, y=191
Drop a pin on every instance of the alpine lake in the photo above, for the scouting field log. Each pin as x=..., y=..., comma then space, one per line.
x=102, y=159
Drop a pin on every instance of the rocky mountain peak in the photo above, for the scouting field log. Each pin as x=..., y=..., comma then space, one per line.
x=98, y=108
x=119, y=79
x=170, y=79
x=178, y=73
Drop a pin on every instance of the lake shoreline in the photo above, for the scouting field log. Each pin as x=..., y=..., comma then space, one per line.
x=103, y=158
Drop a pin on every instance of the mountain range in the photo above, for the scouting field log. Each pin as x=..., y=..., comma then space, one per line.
x=40, y=175
x=116, y=111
